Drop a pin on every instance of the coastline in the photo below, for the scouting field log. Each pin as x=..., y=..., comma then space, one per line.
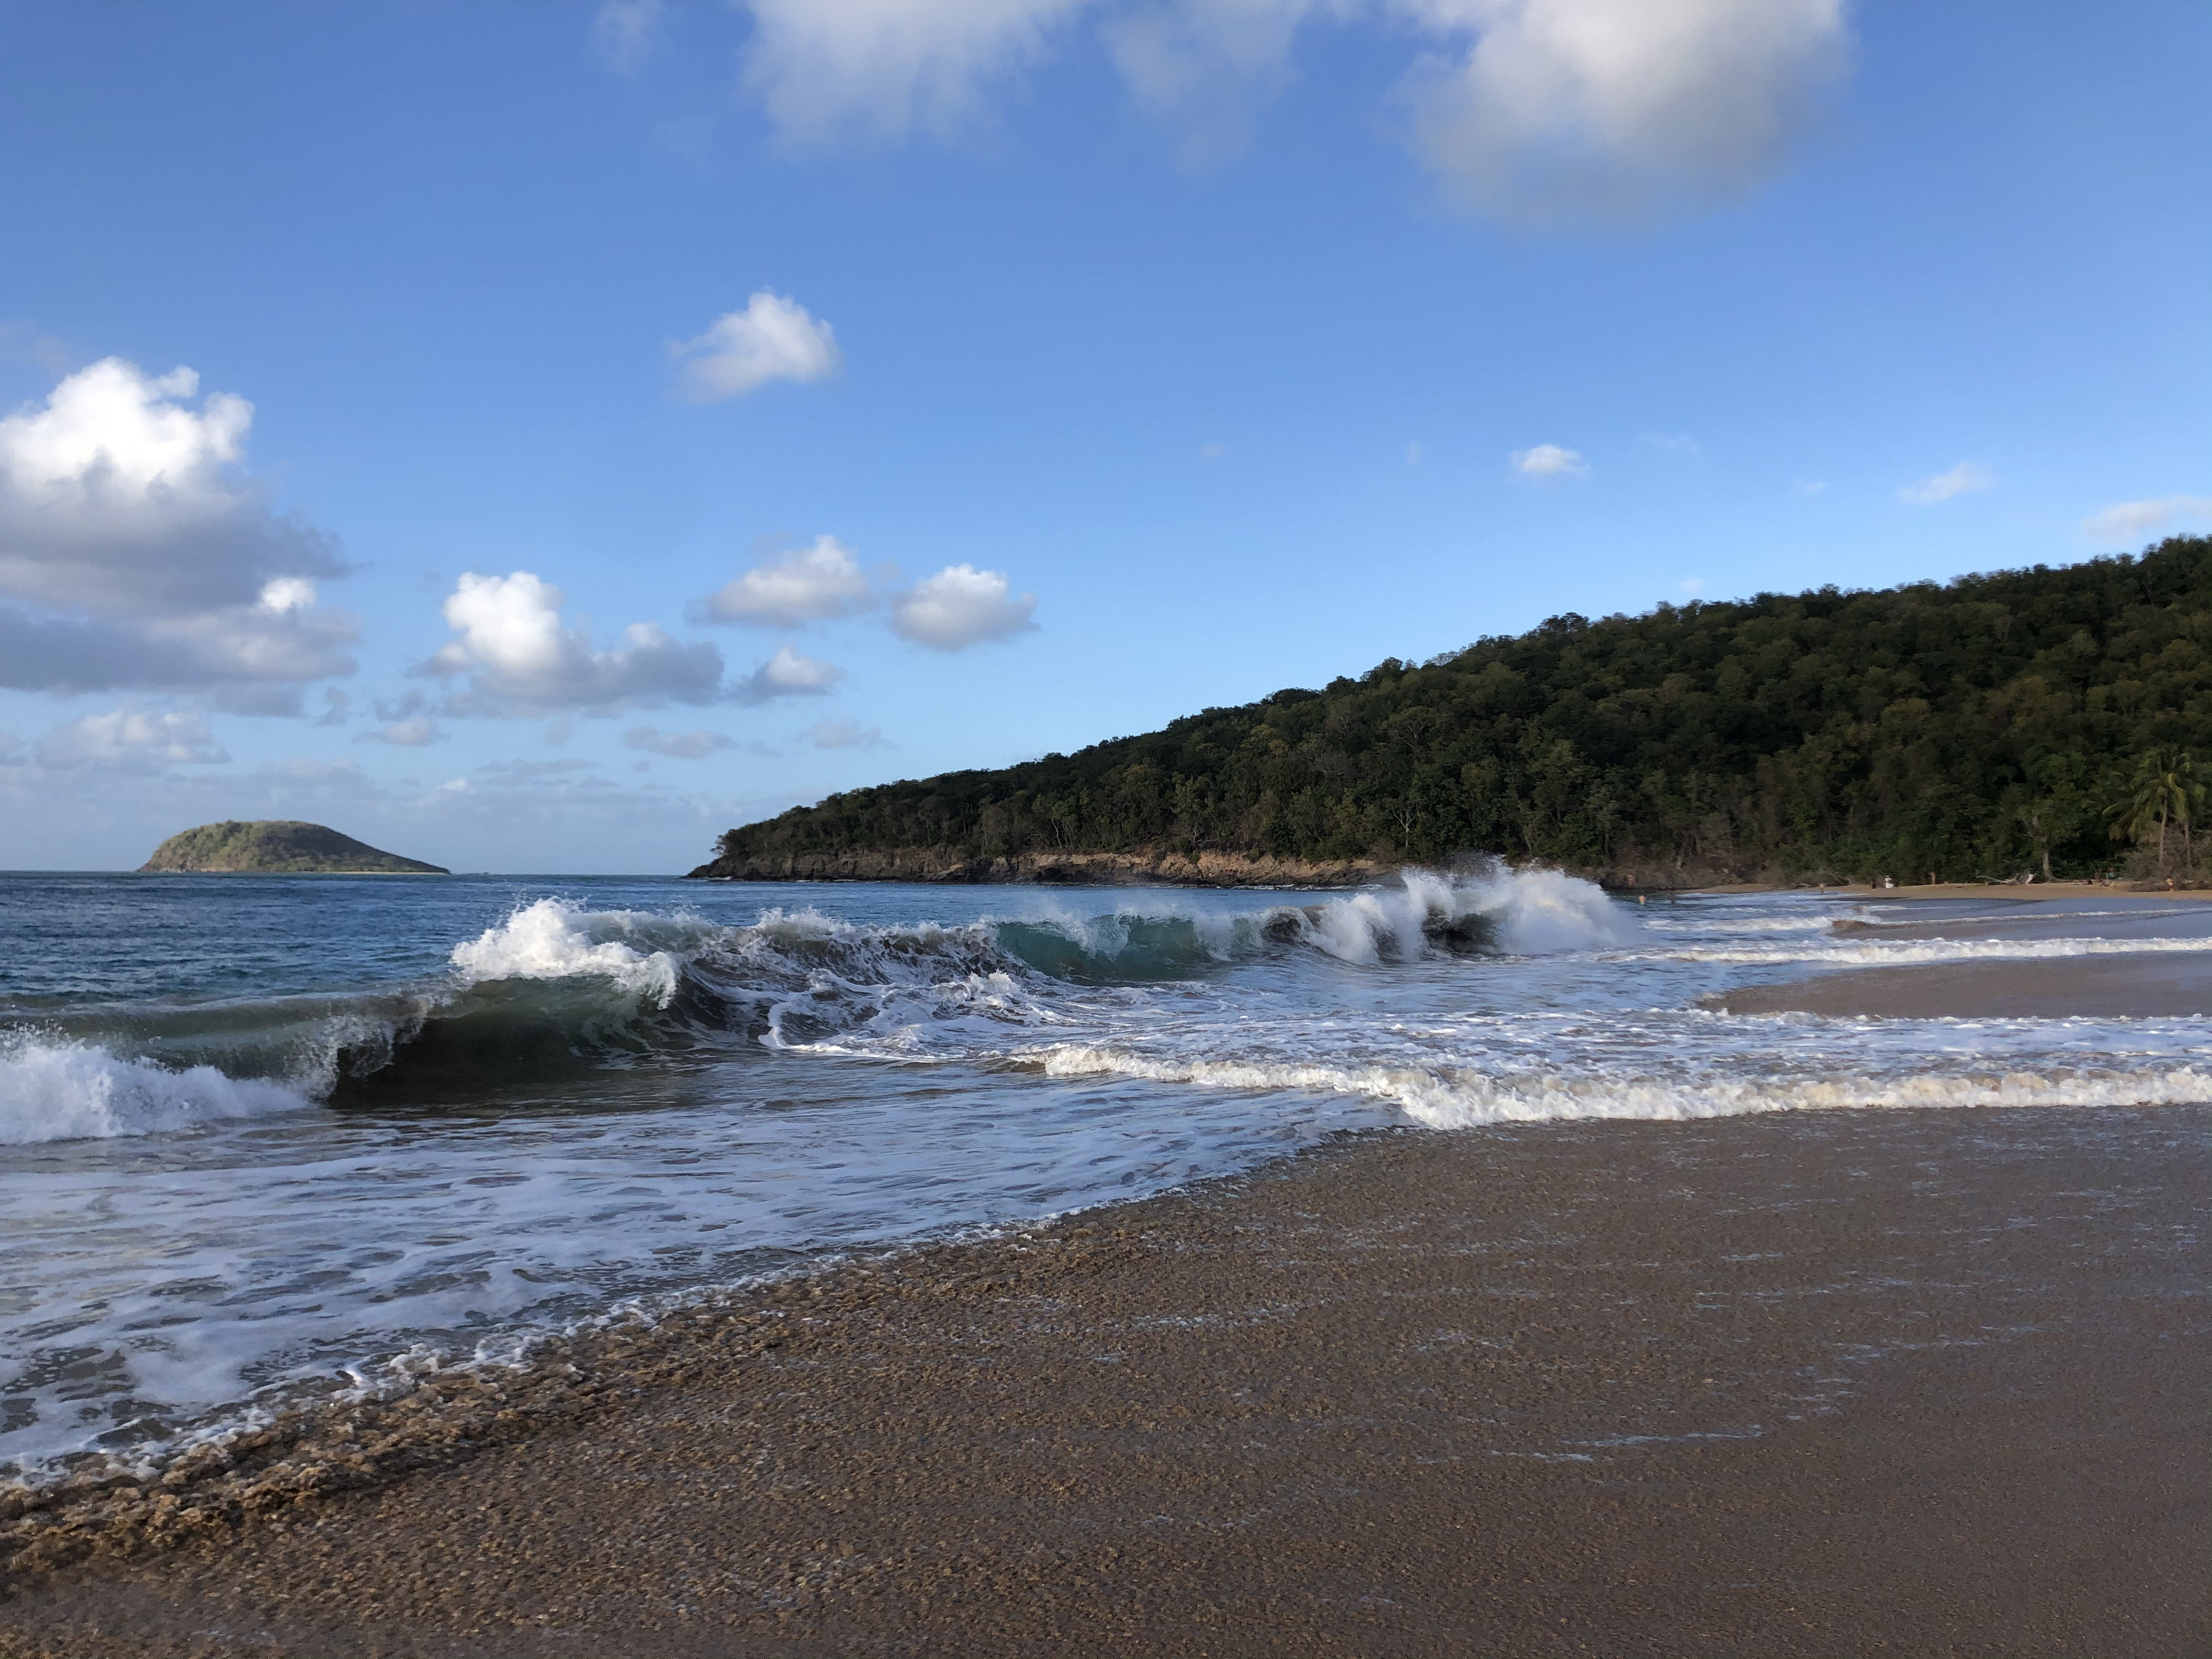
x=1495, y=1391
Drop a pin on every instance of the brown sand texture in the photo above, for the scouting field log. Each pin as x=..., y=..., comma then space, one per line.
x=1897, y=1382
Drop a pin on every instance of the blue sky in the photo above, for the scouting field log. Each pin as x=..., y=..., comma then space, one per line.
x=1131, y=358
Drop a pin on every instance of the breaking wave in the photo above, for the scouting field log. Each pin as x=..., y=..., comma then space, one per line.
x=1455, y=1098
x=68, y=1090
x=556, y=989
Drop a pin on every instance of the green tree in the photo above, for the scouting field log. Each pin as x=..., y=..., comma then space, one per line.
x=2163, y=793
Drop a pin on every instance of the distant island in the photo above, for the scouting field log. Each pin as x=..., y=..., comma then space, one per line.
x=281, y=846
x=2020, y=721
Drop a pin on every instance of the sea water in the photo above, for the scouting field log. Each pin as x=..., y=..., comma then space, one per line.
x=267, y=1135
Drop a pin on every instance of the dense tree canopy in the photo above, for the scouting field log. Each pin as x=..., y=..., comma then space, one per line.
x=1972, y=729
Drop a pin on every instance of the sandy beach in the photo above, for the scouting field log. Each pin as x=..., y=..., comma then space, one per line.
x=1910, y=1383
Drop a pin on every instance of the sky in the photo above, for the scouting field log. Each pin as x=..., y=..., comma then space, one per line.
x=535, y=437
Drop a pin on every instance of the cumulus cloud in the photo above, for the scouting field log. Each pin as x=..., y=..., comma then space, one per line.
x=1606, y=109
x=1549, y=461
x=961, y=606
x=1962, y=479
x=623, y=30
x=873, y=70
x=2124, y=523
x=773, y=338
x=786, y=674
x=812, y=584
x=683, y=745
x=131, y=740
x=140, y=554
x=521, y=660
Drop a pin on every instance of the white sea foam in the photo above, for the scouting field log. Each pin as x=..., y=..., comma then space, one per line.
x=79, y=1091
x=1453, y=1098
x=558, y=938
x=1526, y=912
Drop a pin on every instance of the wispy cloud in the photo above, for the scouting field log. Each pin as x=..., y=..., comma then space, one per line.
x=1963, y=479
x=2124, y=523
x=623, y=31
x=832, y=733
x=688, y=745
x=1549, y=461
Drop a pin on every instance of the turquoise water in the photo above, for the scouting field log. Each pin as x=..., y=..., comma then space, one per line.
x=260, y=1134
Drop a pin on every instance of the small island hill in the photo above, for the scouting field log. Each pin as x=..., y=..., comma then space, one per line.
x=281, y=846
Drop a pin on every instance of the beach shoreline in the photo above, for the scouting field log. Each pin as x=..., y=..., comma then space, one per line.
x=1760, y=1384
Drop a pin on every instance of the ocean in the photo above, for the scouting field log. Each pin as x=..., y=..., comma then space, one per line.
x=264, y=1138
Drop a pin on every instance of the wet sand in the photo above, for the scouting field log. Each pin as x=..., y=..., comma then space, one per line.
x=1906, y=1382
x=2167, y=984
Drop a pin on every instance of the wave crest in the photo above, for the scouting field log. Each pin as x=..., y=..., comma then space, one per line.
x=68, y=1090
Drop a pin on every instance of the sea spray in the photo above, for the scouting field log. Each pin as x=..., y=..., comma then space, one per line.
x=68, y=1090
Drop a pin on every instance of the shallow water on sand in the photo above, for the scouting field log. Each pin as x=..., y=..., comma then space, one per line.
x=264, y=1134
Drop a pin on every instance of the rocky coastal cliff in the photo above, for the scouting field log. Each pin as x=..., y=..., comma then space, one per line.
x=279, y=846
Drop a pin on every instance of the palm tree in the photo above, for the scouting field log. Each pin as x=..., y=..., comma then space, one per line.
x=2163, y=791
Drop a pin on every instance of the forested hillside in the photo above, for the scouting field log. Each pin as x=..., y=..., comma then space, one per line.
x=1972, y=729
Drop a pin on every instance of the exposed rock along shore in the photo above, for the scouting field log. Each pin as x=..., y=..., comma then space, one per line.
x=1145, y=868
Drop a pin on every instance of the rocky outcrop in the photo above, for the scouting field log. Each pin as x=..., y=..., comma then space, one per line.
x=279, y=846
x=1146, y=868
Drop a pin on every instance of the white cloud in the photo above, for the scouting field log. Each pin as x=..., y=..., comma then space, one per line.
x=683, y=745
x=131, y=740
x=1606, y=109
x=812, y=584
x=1961, y=480
x=623, y=32
x=144, y=554
x=786, y=674
x=1674, y=443
x=884, y=69
x=414, y=731
x=1549, y=461
x=522, y=662
x=834, y=734
x=773, y=338
x=1536, y=110
x=1414, y=454
x=961, y=606
x=1205, y=68
x=2124, y=523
